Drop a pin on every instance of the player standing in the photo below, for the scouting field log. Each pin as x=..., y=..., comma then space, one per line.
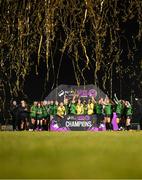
x=33, y=113
x=128, y=115
x=90, y=107
x=119, y=112
x=108, y=113
x=39, y=116
x=99, y=111
x=23, y=115
x=61, y=110
x=72, y=106
x=79, y=108
x=45, y=114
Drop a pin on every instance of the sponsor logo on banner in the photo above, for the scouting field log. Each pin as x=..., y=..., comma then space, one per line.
x=87, y=93
x=80, y=92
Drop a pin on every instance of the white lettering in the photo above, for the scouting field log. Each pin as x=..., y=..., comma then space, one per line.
x=78, y=124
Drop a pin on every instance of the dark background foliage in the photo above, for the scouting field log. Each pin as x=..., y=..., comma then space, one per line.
x=51, y=42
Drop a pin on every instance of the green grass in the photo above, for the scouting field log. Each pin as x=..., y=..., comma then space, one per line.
x=71, y=155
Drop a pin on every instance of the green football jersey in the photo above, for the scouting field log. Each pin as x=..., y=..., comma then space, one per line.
x=39, y=113
x=98, y=108
x=108, y=109
x=45, y=111
x=55, y=107
x=73, y=108
x=51, y=109
x=129, y=110
x=33, y=111
x=119, y=108
x=66, y=108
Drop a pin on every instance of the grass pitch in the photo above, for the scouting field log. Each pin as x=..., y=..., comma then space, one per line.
x=71, y=155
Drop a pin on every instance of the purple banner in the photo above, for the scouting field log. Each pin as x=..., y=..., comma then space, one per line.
x=79, y=123
x=76, y=123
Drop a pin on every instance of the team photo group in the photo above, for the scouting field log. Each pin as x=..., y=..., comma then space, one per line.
x=37, y=116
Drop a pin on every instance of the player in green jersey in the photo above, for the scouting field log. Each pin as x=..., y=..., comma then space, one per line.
x=55, y=107
x=39, y=116
x=119, y=112
x=51, y=108
x=108, y=113
x=45, y=113
x=48, y=111
x=99, y=111
x=33, y=113
x=72, y=107
x=128, y=111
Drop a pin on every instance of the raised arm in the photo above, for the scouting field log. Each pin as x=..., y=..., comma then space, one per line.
x=115, y=99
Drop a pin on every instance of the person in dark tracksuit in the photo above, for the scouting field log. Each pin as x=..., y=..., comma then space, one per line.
x=14, y=114
x=23, y=114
